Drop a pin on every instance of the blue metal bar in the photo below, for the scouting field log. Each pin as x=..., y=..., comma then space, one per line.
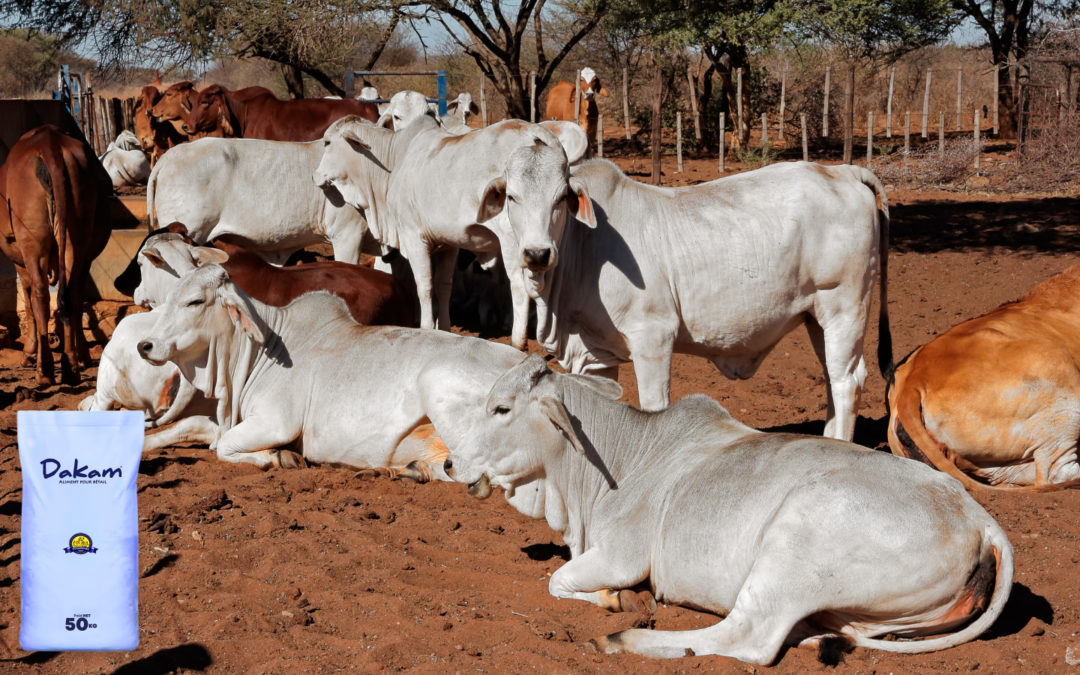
x=349, y=84
x=442, y=92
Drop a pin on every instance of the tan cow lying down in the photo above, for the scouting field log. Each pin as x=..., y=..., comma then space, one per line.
x=792, y=538
x=995, y=401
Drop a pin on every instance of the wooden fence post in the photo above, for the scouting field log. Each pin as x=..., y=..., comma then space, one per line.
x=825, y=111
x=577, y=100
x=997, y=92
x=693, y=106
x=626, y=101
x=483, y=106
x=783, y=100
x=764, y=129
x=888, y=113
x=738, y=102
x=658, y=90
x=941, y=134
x=926, y=106
x=869, y=137
x=678, y=140
x=532, y=96
x=805, y=147
x=600, y=136
x=722, y=132
x=959, y=94
x=978, y=123
x=907, y=132
x=849, y=114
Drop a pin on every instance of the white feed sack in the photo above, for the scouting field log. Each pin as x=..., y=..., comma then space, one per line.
x=80, y=555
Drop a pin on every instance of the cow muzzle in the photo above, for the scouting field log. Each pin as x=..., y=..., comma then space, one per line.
x=322, y=181
x=537, y=257
x=147, y=349
x=481, y=489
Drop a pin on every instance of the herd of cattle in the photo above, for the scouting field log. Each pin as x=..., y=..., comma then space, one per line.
x=794, y=539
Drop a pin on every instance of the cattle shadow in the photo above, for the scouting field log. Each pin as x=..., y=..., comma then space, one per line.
x=164, y=485
x=1022, y=607
x=190, y=656
x=162, y=563
x=154, y=466
x=545, y=552
x=34, y=658
x=1047, y=225
x=869, y=433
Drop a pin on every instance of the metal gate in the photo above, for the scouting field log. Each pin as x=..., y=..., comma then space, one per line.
x=350, y=80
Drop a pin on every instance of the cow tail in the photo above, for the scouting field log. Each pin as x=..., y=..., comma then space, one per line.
x=997, y=551
x=52, y=174
x=151, y=187
x=885, y=351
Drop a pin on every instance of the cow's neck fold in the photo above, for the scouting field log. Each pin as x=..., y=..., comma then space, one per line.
x=388, y=149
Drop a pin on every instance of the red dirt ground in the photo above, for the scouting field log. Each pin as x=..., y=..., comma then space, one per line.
x=312, y=571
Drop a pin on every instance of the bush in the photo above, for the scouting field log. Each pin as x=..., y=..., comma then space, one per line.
x=929, y=167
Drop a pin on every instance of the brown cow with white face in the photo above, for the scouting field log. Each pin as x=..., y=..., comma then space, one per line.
x=560, y=102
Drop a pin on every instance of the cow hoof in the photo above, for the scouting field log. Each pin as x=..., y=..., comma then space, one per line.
x=44, y=380
x=370, y=474
x=638, y=603
x=607, y=645
x=413, y=472
x=29, y=360
x=287, y=459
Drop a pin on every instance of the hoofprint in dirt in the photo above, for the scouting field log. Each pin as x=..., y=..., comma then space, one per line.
x=311, y=570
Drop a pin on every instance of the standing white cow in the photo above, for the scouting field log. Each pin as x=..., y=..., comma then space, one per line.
x=722, y=270
x=506, y=188
x=125, y=161
x=257, y=194
x=790, y=538
x=309, y=378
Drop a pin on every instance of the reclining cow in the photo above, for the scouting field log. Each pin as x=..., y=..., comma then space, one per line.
x=995, y=401
x=722, y=270
x=308, y=378
x=514, y=199
x=125, y=161
x=790, y=538
x=257, y=194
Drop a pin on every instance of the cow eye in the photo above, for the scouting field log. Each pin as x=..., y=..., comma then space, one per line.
x=510, y=198
x=500, y=410
x=196, y=302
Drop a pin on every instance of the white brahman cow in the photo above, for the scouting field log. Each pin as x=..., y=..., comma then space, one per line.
x=791, y=538
x=256, y=194
x=722, y=270
x=125, y=161
x=506, y=188
x=308, y=378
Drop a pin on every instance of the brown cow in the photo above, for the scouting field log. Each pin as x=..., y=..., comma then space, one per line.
x=560, y=102
x=174, y=103
x=154, y=137
x=995, y=401
x=271, y=119
x=212, y=112
x=373, y=297
x=54, y=222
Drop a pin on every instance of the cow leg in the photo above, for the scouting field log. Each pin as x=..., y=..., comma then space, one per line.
x=596, y=577
x=71, y=332
x=252, y=442
x=519, y=298
x=420, y=261
x=197, y=429
x=40, y=308
x=347, y=246
x=838, y=342
x=651, y=353
x=29, y=337
x=445, y=264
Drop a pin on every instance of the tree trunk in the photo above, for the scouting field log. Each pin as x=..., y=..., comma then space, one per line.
x=705, y=93
x=294, y=80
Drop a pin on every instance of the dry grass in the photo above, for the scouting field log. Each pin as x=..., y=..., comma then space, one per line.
x=930, y=167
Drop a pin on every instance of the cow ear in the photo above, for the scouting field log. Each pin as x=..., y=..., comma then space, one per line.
x=473, y=108
x=555, y=411
x=493, y=200
x=154, y=256
x=604, y=91
x=241, y=313
x=353, y=139
x=185, y=106
x=452, y=105
x=204, y=255
x=577, y=200
x=223, y=121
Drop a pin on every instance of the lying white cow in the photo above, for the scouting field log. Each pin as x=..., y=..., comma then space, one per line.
x=722, y=270
x=126, y=381
x=791, y=538
x=125, y=161
x=257, y=194
x=514, y=198
x=309, y=378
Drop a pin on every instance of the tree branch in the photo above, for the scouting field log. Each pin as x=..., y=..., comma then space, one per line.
x=598, y=13
x=387, y=34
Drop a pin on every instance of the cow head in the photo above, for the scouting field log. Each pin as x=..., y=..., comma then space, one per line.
x=523, y=431
x=461, y=107
x=368, y=94
x=174, y=104
x=210, y=114
x=591, y=85
x=165, y=258
x=144, y=124
x=536, y=193
x=404, y=107
x=347, y=159
x=203, y=307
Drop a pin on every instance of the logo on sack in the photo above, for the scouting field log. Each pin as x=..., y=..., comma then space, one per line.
x=80, y=543
x=77, y=474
